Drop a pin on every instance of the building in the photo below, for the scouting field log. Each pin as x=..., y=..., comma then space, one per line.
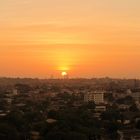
x=100, y=108
x=136, y=96
x=15, y=92
x=96, y=96
x=129, y=134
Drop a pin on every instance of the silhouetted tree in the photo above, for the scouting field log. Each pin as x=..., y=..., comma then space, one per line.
x=8, y=132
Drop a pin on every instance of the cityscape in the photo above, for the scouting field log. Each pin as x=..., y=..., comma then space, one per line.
x=69, y=69
x=69, y=109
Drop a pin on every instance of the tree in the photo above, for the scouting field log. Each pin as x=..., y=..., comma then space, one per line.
x=89, y=105
x=16, y=119
x=127, y=100
x=111, y=115
x=8, y=132
x=133, y=108
x=112, y=129
x=53, y=114
x=55, y=136
x=138, y=124
x=65, y=136
x=3, y=104
x=75, y=136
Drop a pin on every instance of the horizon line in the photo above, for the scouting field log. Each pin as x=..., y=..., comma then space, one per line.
x=72, y=78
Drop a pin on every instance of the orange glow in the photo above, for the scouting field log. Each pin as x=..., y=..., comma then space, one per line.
x=64, y=73
x=64, y=68
x=84, y=38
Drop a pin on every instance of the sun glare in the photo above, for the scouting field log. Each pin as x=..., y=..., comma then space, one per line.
x=64, y=73
x=63, y=68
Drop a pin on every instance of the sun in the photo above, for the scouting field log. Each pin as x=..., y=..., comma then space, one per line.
x=63, y=73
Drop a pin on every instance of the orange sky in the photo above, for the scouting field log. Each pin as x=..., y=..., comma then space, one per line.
x=87, y=38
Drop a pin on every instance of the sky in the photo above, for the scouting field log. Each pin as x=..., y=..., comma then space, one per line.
x=85, y=38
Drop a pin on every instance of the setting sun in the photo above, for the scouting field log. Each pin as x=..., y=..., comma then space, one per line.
x=62, y=61
x=92, y=38
x=64, y=73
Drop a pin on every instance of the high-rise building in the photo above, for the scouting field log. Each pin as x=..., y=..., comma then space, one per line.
x=96, y=96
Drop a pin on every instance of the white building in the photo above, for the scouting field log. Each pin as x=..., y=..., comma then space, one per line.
x=96, y=96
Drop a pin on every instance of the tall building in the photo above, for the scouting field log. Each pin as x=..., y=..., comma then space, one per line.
x=96, y=96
